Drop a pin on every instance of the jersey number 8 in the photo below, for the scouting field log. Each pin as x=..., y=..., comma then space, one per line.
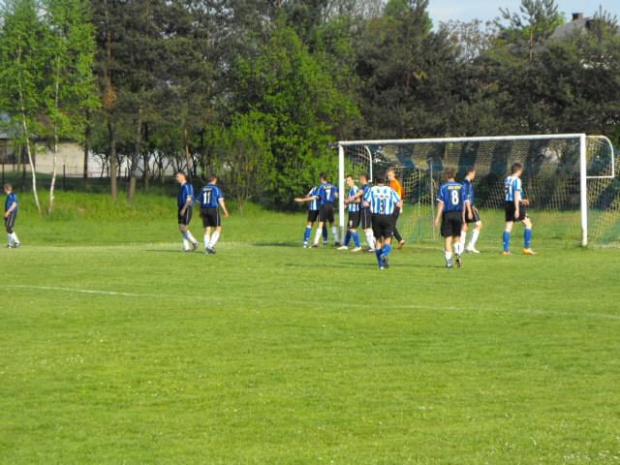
x=455, y=197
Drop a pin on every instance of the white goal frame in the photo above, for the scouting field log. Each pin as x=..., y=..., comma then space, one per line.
x=583, y=165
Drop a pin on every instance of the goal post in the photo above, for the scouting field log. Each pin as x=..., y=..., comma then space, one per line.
x=571, y=180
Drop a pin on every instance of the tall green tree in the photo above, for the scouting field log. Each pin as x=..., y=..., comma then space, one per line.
x=70, y=90
x=22, y=73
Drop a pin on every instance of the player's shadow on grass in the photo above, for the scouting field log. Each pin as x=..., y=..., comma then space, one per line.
x=277, y=244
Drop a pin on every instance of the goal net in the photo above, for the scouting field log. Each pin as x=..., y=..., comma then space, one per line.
x=571, y=181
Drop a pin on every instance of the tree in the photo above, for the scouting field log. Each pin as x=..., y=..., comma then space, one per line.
x=22, y=61
x=69, y=93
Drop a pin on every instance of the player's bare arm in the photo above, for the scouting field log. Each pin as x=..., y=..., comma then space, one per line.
x=439, y=213
x=188, y=203
x=517, y=204
x=223, y=206
x=11, y=209
x=305, y=199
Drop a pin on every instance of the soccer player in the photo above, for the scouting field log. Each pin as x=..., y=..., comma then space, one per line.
x=353, y=203
x=516, y=210
x=211, y=199
x=451, y=216
x=11, y=207
x=366, y=215
x=326, y=194
x=398, y=188
x=382, y=201
x=185, y=202
x=313, y=215
x=472, y=216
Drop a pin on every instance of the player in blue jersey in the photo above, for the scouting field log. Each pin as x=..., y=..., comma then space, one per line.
x=11, y=207
x=451, y=204
x=211, y=199
x=185, y=202
x=313, y=215
x=382, y=201
x=326, y=194
x=354, y=208
x=472, y=216
x=516, y=210
x=365, y=214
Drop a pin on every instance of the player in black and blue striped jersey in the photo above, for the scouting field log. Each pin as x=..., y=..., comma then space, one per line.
x=185, y=202
x=326, y=194
x=451, y=202
x=365, y=214
x=382, y=201
x=472, y=215
x=11, y=208
x=516, y=210
x=353, y=203
x=313, y=215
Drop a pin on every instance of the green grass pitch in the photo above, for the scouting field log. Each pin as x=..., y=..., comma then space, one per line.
x=117, y=349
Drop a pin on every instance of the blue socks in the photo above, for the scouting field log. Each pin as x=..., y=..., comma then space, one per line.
x=386, y=250
x=307, y=233
x=506, y=241
x=527, y=234
x=379, y=253
x=325, y=234
x=347, y=238
x=356, y=240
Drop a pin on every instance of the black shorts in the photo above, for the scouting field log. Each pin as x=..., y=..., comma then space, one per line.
x=326, y=213
x=366, y=218
x=354, y=219
x=187, y=218
x=313, y=215
x=210, y=217
x=451, y=224
x=9, y=223
x=383, y=226
x=510, y=212
x=476, y=216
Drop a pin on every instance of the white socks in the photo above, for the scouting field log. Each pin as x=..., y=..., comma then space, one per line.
x=448, y=256
x=474, y=238
x=370, y=238
x=207, y=240
x=186, y=244
x=317, y=236
x=214, y=238
x=463, y=237
x=335, y=233
x=188, y=237
x=459, y=248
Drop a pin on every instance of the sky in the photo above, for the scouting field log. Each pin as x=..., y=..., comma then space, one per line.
x=446, y=10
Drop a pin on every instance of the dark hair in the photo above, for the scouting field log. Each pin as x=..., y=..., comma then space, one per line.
x=349, y=176
x=516, y=167
x=365, y=176
x=380, y=179
x=323, y=176
x=449, y=173
x=212, y=178
x=470, y=169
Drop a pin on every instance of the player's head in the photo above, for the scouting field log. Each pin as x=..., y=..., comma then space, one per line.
x=364, y=178
x=390, y=174
x=212, y=179
x=350, y=180
x=181, y=177
x=470, y=173
x=380, y=179
x=449, y=174
x=323, y=177
x=8, y=188
x=516, y=169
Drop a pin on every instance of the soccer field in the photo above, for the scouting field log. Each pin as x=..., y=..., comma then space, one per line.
x=117, y=348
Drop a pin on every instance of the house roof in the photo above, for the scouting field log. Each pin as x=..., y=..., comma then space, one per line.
x=568, y=30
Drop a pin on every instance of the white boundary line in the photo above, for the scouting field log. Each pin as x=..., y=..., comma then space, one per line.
x=219, y=301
